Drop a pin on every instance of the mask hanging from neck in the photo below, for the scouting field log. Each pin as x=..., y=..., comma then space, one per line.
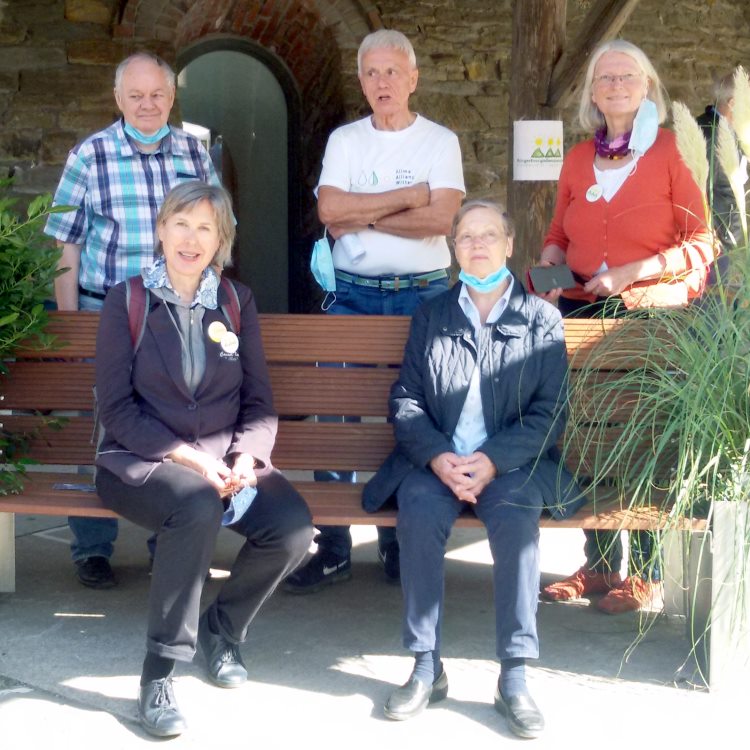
x=148, y=140
x=488, y=283
x=645, y=127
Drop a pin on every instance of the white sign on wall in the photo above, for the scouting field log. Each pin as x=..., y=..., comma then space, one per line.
x=537, y=149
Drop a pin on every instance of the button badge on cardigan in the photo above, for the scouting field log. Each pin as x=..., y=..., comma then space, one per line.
x=594, y=193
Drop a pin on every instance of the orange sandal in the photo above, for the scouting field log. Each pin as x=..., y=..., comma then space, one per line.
x=581, y=583
x=633, y=594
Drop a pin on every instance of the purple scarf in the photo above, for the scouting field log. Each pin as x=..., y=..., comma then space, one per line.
x=615, y=149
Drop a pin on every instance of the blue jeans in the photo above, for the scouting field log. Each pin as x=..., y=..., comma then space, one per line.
x=352, y=299
x=92, y=537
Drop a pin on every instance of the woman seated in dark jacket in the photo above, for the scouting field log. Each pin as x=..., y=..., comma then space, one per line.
x=188, y=430
x=477, y=409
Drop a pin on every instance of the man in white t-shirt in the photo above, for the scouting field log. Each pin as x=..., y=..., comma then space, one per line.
x=390, y=186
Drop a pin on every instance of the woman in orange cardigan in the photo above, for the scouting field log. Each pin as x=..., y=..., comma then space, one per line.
x=630, y=224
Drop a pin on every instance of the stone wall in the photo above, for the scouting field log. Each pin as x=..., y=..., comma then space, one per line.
x=463, y=49
x=57, y=59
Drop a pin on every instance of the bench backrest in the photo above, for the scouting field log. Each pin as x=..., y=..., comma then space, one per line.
x=295, y=345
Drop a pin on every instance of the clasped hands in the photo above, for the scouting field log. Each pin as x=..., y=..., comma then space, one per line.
x=465, y=476
x=226, y=480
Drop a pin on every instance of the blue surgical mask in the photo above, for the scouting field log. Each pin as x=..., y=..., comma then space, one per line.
x=321, y=265
x=488, y=283
x=149, y=140
x=238, y=505
x=645, y=127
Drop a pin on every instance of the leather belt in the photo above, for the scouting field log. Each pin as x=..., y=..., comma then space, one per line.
x=93, y=295
x=393, y=283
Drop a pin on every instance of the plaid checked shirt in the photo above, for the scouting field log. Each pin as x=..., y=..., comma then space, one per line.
x=118, y=191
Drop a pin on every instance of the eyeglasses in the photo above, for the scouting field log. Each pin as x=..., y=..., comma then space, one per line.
x=627, y=79
x=486, y=238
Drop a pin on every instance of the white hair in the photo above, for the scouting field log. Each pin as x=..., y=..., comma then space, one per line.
x=150, y=57
x=386, y=39
x=588, y=113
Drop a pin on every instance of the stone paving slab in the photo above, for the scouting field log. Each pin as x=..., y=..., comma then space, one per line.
x=322, y=665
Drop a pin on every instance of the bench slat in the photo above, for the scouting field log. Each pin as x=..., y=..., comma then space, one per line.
x=303, y=444
x=361, y=339
x=304, y=390
x=332, y=502
x=46, y=386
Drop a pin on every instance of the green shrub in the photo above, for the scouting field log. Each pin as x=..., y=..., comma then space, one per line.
x=28, y=267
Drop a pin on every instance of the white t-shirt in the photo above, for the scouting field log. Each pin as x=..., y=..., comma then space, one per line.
x=361, y=159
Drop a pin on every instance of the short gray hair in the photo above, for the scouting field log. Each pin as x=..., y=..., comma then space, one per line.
x=150, y=57
x=185, y=196
x=496, y=208
x=724, y=89
x=386, y=39
x=589, y=116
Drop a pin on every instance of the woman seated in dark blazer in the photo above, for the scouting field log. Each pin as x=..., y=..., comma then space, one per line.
x=189, y=427
x=477, y=410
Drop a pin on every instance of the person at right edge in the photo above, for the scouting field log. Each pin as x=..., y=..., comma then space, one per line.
x=390, y=185
x=724, y=209
x=629, y=220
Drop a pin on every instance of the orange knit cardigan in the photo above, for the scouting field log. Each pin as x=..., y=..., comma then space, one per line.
x=659, y=209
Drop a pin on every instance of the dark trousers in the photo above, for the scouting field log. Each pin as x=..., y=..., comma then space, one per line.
x=185, y=511
x=603, y=549
x=509, y=508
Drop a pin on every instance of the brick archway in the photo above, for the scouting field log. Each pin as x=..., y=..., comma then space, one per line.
x=303, y=40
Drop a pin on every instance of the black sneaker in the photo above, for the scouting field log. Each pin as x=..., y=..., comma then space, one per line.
x=95, y=572
x=390, y=556
x=158, y=711
x=321, y=570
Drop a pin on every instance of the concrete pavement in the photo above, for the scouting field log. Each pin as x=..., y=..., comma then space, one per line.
x=322, y=665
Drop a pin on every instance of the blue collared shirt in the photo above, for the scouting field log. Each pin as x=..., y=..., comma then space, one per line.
x=470, y=431
x=117, y=191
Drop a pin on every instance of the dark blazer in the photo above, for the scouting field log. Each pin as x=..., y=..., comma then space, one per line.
x=144, y=404
x=523, y=375
x=726, y=216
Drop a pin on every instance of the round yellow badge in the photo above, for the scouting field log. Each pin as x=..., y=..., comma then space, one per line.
x=216, y=331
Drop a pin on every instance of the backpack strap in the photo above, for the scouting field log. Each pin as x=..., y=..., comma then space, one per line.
x=231, y=308
x=136, y=298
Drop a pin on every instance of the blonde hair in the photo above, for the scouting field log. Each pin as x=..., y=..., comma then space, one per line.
x=185, y=196
x=588, y=113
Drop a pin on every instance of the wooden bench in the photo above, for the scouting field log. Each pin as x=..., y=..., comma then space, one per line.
x=61, y=381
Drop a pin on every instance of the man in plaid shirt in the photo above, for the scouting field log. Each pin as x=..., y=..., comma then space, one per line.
x=117, y=180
